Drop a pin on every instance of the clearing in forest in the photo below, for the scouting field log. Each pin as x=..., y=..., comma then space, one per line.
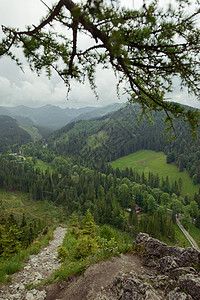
x=150, y=161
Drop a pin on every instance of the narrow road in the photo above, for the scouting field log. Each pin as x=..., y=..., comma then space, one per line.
x=187, y=235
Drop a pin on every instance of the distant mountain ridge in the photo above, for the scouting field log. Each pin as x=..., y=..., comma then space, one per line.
x=99, y=112
x=54, y=117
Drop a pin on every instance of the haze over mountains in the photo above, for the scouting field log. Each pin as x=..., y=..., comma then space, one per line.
x=54, y=117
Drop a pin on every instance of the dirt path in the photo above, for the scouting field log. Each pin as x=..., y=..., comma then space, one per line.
x=39, y=267
x=27, y=207
x=96, y=278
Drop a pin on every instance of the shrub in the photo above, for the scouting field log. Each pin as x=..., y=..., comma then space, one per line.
x=85, y=247
x=106, y=232
x=107, y=244
x=62, y=253
x=76, y=231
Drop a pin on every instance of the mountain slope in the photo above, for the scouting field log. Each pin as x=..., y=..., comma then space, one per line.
x=109, y=137
x=96, y=141
x=11, y=133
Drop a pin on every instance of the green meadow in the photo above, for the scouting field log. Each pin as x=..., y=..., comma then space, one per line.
x=33, y=131
x=19, y=203
x=150, y=161
x=43, y=166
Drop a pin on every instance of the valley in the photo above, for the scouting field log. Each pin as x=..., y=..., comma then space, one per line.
x=106, y=179
x=100, y=202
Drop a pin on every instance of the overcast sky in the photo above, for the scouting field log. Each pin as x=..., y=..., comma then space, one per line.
x=18, y=88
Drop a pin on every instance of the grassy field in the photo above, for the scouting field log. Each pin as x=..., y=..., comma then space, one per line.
x=43, y=166
x=195, y=233
x=180, y=238
x=33, y=131
x=43, y=209
x=150, y=161
x=22, y=203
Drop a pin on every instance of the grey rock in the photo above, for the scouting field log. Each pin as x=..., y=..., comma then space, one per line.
x=191, y=283
x=150, y=262
x=30, y=296
x=167, y=263
x=160, y=282
x=41, y=295
x=15, y=296
x=155, y=247
x=151, y=248
x=189, y=256
x=152, y=295
x=176, y=295
x=182, y=271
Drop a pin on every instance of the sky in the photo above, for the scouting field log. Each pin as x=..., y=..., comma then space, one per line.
x=18, y=88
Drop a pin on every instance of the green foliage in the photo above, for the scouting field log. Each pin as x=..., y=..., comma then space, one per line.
x=62, y=253
x=106, y=232
x=88, y=225
x=86, y=246
x=9, y=240
x=107, y=244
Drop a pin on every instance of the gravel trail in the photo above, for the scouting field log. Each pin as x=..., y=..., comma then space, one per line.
x=39, y=267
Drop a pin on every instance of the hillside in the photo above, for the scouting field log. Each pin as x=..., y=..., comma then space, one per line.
x=155, y=272
x=151, y=271
x=11, y=133
x=105, y=139
x=109, y=137
x=145, y=161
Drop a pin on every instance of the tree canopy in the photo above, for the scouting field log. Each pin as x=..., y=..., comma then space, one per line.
x=146, y=48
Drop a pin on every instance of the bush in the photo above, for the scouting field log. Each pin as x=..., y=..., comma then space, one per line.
x=106, y=232
x=107, y=244
x=85, y=247
x=76, y=231
x=62, y=253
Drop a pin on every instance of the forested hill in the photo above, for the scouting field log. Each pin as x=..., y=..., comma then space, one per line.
x=109, y=137
x=105, y=139
x=11, y=133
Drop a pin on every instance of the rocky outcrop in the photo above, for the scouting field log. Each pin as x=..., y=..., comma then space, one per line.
x=172, y=273
x=165, y=258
